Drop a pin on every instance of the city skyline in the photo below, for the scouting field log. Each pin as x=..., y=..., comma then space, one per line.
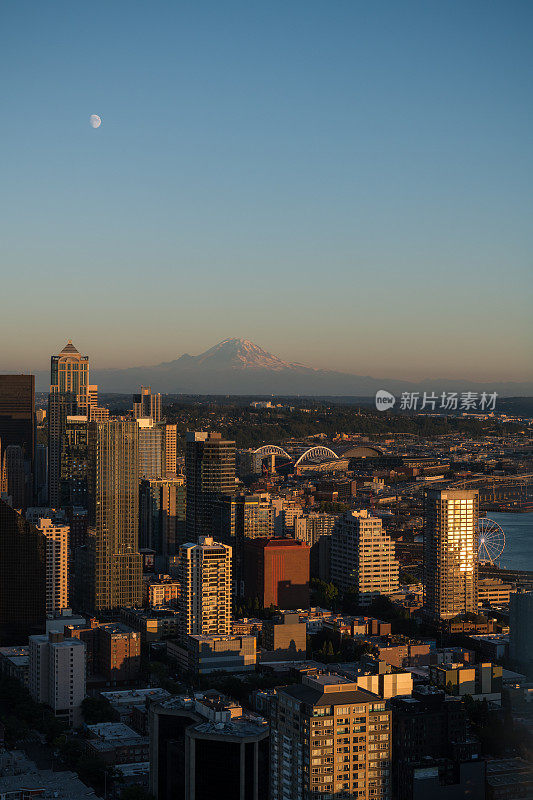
x=266, y=400
x=348, y=188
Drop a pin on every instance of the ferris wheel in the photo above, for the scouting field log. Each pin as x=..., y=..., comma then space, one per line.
x=491, y=541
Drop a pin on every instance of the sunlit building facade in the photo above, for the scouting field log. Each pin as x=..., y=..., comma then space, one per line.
x=111, y=573
x=204, y=575
x=450, y=552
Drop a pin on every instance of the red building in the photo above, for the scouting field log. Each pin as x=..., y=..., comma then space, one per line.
x=277, y=572
x=113, y=649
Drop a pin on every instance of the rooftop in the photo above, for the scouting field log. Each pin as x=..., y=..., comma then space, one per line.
x=328, y=689
x=218, y=715
x=113, y=732
x=136, y=696
x=69, y=348
x=18, y=772
x=11, y=652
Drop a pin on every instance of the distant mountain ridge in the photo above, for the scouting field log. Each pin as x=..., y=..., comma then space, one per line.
x=239, y=366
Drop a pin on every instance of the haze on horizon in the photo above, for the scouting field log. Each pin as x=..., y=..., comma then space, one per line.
x=347, y=185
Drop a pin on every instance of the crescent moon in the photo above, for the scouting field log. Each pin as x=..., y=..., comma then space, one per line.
x=95, y=121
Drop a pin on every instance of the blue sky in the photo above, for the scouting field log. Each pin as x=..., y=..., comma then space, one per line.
x=346, y=183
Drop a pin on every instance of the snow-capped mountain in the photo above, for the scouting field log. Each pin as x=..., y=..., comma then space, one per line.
x=240, y=354
x=239, y=366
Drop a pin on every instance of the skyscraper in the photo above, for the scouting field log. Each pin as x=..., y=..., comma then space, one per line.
x=41, y=474
x=17, y=412
x=521, y=631
x=450, y=552
x=70, y=395
x=57, y=534
x=111, y=572
x=254, y=519
x=210, y=469
x=74, y=461
x=14, y=476
x=171, y=450
x=69, y=372
x=204, y=573
x=22, y=577
x=162, y=514
x=329, y=739
x=363, y=556
x=146, y=404
x=150, y=449
x=17, y=426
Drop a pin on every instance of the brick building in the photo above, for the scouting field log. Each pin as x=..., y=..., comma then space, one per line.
x=113, y=649
x=276, y=571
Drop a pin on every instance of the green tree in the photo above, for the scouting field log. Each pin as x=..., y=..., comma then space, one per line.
x=325, y=594
x=98, y=709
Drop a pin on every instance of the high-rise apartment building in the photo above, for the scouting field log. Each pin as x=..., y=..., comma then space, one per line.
x=204, y=574
x=363, y=556
x=311, y=526
x=276, y=572
x=210, y=469
x=17, y=424
x=70, y=395
x=110, y=570
x=254, y=516
x=287, y=511
x=146, y=404
x=329, y=739
x=171, y=450
x=57, y=674
x=316, y=528
x=450, y=552
x=151, y=452
x=254, y=519
x=57, y=535
x=22, y=577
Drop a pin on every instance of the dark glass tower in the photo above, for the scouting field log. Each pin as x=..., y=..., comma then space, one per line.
x=210, y=468
x=74, y=463
x=22, y=577
x=17, y=430
x=69, y=395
